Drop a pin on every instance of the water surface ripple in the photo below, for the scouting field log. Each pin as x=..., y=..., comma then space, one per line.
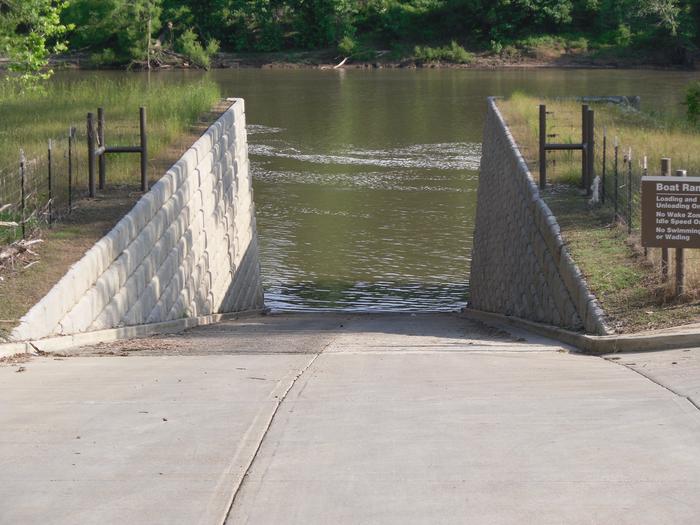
x=365, y=181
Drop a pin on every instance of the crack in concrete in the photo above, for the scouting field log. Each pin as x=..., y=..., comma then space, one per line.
x=271, y=420
x=656, y=382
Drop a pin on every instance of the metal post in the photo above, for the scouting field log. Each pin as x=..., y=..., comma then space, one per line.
x=50, y=210
x=665, y=172
x=629, y=191
x=605, y=166
x=590, y=151
x=23, y=194
x=100, y=144
x=543, y=142
x=144, y=150
x=680, y=259
x=584, y=138
x=71, y=135
x=616, y=187
x=91, y=153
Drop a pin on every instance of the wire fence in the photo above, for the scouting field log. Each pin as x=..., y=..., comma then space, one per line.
x=618, y=168
x=42, y=189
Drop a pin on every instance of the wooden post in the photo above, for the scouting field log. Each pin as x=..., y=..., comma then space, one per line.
x=605, y=165
x=91, y=153
x=23, y=193
x=616, y=188
x=665, y=172
x=645, y=172
x=543, y=142
x=144, y=150
x=100, y=144
x=629, y=191
x=584, y=138
x=680, y=262
x=71, y=136
x=50, y=182
x=590, y=142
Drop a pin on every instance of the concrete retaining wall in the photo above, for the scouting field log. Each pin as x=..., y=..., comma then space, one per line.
x=188, y=248
x=520, y=265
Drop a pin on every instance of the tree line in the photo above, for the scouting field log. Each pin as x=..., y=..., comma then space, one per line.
x=123, y=31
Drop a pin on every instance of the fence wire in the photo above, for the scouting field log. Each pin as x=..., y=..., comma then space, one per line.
x=43, y=188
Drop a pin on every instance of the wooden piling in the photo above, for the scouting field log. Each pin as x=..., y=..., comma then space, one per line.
x=91, y=154
x=665, y=172
x=584, y=137
x=100, y=144
x=144, y=149
x=543, y=142
x=680, y=257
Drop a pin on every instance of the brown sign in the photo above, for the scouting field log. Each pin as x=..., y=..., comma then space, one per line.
x=671, y=212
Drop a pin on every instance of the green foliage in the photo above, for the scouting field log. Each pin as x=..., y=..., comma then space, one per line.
x=347, y=46
x=452, y=53
x=692, y=102
x=622, y=36
x=106, y=57
x=30, y=30
x=30, y=118
x=189, y=45
x=117, y=29
x=277, y=25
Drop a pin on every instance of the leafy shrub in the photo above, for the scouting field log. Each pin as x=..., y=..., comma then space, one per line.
x=189, y=45
x=452, y=53
x=578, y=45
x=510, y=52
x=347, y=46
x=692, y=102
x=623, y=36
x=107, y=57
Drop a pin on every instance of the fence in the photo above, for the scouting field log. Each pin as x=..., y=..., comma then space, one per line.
x=612, y=179
x=41, y=189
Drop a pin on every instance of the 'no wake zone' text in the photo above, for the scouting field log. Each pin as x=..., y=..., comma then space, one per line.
x=670, y=212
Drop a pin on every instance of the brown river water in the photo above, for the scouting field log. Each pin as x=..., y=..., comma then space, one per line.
x=365, y=180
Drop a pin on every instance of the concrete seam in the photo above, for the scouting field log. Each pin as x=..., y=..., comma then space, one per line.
x=237, y=487
x=658, y=383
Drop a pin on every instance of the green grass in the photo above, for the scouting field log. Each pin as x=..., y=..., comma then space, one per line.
x=453, y=53
x=626, y=282
x=650, y=136
x=30, y=119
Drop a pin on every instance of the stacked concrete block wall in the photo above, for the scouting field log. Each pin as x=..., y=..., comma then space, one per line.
x=188, y=248
x=520, y=264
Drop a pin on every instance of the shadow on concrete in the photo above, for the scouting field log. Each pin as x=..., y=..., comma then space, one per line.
x=309, y=333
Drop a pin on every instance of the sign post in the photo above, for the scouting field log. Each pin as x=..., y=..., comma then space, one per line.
x=671, y=217
x=671, y=212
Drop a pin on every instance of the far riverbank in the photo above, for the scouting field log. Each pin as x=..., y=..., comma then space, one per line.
x=330, y=59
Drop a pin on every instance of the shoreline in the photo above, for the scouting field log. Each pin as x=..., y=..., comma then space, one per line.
x=325, y=60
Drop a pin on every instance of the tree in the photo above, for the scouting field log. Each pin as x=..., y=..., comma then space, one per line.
x=30, y=30
x=118, y=28
x=666, y=13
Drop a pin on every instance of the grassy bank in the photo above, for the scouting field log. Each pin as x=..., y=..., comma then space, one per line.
x=625, y=279
x=177, y=115
x=31, y=118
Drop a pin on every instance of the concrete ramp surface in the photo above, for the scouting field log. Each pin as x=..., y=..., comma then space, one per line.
x=315, y=419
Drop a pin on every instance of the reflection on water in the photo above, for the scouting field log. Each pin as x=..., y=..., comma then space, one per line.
x=363, y=229
x=365, y=181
